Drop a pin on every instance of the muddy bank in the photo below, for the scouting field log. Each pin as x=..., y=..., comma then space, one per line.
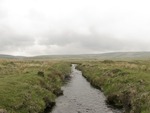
x=123, y=87
x=113, y=100
x=118, y=101
x=30, y=86
x=59, y=92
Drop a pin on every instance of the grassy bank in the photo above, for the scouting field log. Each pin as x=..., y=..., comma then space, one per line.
x=125, y=84
x=30, y=86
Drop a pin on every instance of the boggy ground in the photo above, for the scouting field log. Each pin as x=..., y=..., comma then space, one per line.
x=30, y=86
x=125, y=84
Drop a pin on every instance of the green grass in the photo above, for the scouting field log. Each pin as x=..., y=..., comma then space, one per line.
x=125, y=84
x=29, y=86
x=23, y=90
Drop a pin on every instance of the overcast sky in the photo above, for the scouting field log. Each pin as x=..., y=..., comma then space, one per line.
x=37, y=27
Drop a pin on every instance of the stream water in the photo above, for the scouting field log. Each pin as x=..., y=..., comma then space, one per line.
x=80, y=97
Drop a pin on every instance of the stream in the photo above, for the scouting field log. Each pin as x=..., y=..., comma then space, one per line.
x=80, y=97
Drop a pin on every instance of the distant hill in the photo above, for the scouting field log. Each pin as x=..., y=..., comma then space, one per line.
x=104, y=56
x=126, y=56
x=3, y=56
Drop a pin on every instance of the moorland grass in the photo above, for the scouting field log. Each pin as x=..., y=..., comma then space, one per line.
x=30, y=86
x=125, y=84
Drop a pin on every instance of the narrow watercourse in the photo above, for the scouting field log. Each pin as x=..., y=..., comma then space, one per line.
x=80, y=97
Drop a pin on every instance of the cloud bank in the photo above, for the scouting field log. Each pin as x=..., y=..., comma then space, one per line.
x=35, y=27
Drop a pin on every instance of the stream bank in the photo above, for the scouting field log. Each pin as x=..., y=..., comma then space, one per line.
x=80, y=97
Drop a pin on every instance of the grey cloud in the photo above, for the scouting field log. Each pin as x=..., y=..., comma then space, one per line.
x=58, y=39
x=37, y=27
x=92, y=42
x=11, y=40
x=2, y=15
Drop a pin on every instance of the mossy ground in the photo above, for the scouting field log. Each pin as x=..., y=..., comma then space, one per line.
x=24, y=90
x=126, y=84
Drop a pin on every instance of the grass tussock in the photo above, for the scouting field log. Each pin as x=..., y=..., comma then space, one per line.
x=30, y=86
x=126, y=84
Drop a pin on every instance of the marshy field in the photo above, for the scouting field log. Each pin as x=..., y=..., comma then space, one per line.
x=32, y=86
x=126, y=84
